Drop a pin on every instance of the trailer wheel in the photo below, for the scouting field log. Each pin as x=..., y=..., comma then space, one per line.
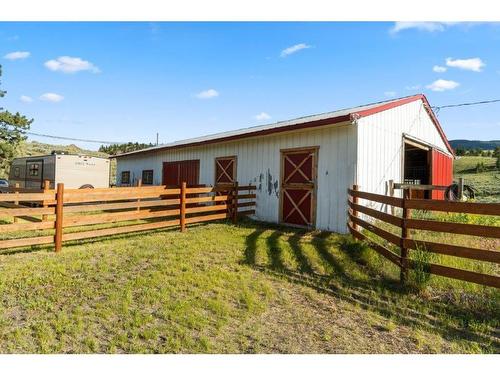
x=86, y=186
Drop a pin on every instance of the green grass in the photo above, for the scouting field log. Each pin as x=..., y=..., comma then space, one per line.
x=437, y=283
x=219, y=288
x=486, y=184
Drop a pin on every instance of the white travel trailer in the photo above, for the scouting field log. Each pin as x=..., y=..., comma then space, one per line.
x=75, y=171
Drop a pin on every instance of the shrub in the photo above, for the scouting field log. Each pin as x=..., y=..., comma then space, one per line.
x=419, y=276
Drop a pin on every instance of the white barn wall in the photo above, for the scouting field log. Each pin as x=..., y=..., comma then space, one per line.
x=259, y=164
x=380, y=143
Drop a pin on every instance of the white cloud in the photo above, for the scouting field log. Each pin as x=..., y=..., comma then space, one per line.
x=18, y=55
x=262, y=116
x=474, y=64
x=443, y=85
x=293, y=49
x=26, y=99
x=68, y=64
x=432, y=26
x=390, y=94
x=414, y=87
x=207, y=94
x=422, y=26
x=439, y=69
x=51, y=97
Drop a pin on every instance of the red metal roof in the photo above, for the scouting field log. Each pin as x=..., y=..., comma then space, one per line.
x=328, y=118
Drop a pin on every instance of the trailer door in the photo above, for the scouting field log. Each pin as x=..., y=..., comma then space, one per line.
x=34, y=174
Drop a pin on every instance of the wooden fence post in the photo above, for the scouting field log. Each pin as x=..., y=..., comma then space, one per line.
x=139, y=184
x=183, y=207
x=391, y=193
x=460, y=189
x=16, y=202
x=355, y=200
x=46, y=188
x=405, y=234
x=235, y=203
x=59, y=217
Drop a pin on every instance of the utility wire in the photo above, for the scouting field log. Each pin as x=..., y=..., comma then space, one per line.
x=74, y=139
x=438, y=108
x=435, y=108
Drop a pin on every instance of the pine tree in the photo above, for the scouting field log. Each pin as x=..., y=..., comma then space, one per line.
x=13, y=127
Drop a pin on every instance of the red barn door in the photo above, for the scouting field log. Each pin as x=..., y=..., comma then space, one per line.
x=176, y=172
x=442, y=172
x=298, y=187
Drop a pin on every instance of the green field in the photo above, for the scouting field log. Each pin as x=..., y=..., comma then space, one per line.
x=220, y=288
x=486, y=184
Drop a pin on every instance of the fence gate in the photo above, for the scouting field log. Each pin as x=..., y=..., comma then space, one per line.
x=298, y=186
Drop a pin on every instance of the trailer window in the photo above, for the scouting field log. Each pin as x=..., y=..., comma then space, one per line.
x=17, y=171
x=147, y=177
x=34, y=169
x=126, y=177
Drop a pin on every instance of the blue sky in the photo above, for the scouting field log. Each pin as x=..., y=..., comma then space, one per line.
x=127, y=81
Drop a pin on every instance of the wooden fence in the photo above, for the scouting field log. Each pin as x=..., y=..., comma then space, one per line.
x=45, y=216
x=364, y=217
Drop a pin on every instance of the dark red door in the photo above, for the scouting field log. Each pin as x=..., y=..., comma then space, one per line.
x=176, y=172
x=442, y=172
x=298, y=187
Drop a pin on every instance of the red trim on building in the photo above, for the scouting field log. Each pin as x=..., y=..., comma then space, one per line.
x=397, y=103
x=386, y=106
x=305, y=125
x=311, y=124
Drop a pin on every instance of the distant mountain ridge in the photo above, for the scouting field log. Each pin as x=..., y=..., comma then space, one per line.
x=469, y=145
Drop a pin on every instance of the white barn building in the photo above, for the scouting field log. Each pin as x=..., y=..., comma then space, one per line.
x=303, y=167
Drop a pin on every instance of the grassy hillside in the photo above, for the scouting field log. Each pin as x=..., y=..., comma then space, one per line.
x=37, y=148
x=487, y=183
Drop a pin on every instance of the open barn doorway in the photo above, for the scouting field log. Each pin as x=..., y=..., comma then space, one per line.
x=417, y=167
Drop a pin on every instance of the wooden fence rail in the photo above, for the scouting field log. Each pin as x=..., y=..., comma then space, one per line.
x=363, y=220
x=72, y=214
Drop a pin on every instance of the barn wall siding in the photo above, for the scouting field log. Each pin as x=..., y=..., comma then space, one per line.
x=380, y=144
x=258, y=162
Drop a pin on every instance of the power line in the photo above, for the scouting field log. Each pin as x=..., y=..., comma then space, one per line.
x=438, y=108
x=74, y=139
x=435, y=108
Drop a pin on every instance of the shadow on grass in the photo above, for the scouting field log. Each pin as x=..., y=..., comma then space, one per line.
x=274, y=251
x=68, y=244
x=377, y=292
x=302, y=260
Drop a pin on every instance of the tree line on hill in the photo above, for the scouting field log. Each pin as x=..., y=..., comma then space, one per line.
x=460, y=151
x=480, y=166
x=121, y=148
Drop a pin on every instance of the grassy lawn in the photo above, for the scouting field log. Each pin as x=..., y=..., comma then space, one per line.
x=486, y=184
x=225, y=289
